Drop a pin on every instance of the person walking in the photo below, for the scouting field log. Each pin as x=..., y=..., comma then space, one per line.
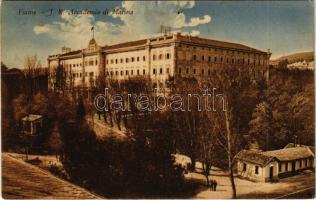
x=211, y=185
x=215, y=185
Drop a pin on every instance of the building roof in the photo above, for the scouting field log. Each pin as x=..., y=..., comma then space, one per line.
x=290, y=145
x=255, y=157
x=288, y=154
x=126, y=44
x=180, y=38
x=71, y=53
x=32, y=117
x=265, y=157
x=196, y=40
x=218, y=43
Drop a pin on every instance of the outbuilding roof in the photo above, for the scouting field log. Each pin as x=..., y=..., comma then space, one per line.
x=290, y=145
x=288, y=154
x=32, y=117
x=255, y=157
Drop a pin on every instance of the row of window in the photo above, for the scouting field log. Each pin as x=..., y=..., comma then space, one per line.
x=288, y=163
x=126, y=60
x=187, y=71
x=74, y=65
x=280, y=166
x=138, y=72
x=244, y=168
x=126, y=72
x=91, y=63
x=162, y=56
x=161, y=71
x=232, y=60
x=137, y=59
x=77, y=75
x=87, y=63
x=168, y=56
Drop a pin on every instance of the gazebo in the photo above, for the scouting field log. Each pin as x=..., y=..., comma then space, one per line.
x=32, y=124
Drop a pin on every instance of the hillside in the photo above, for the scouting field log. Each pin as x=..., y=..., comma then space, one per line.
x=297, y=57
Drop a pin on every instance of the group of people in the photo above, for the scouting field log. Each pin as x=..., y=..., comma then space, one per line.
x=213, y=185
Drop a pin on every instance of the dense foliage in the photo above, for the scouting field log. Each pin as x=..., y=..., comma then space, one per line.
x=286, y=111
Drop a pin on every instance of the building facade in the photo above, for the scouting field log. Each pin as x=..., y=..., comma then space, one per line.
x=271, y=165
x=157, y=58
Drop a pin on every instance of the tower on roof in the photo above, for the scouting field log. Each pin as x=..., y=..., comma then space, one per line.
x=92, y=43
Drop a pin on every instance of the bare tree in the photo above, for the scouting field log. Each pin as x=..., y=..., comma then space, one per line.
x=55, y=142
x=232, y=82
x=188, y=121
x=207, y=143
x=32, y=69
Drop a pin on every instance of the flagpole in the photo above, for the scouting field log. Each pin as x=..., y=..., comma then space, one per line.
x=92, y=29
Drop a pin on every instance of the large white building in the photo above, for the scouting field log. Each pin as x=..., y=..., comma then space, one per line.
x=157, y=58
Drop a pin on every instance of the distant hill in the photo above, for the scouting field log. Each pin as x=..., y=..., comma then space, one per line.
x=296, y=57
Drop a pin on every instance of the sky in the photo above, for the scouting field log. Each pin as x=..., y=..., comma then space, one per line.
x=284, y=27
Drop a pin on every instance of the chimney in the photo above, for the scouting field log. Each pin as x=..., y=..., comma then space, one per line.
x=65, y=49
x=295, y=140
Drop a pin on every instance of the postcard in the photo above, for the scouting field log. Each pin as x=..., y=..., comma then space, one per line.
x=157, y=99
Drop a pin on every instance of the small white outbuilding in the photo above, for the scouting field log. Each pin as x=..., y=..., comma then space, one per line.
x=270, y=165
